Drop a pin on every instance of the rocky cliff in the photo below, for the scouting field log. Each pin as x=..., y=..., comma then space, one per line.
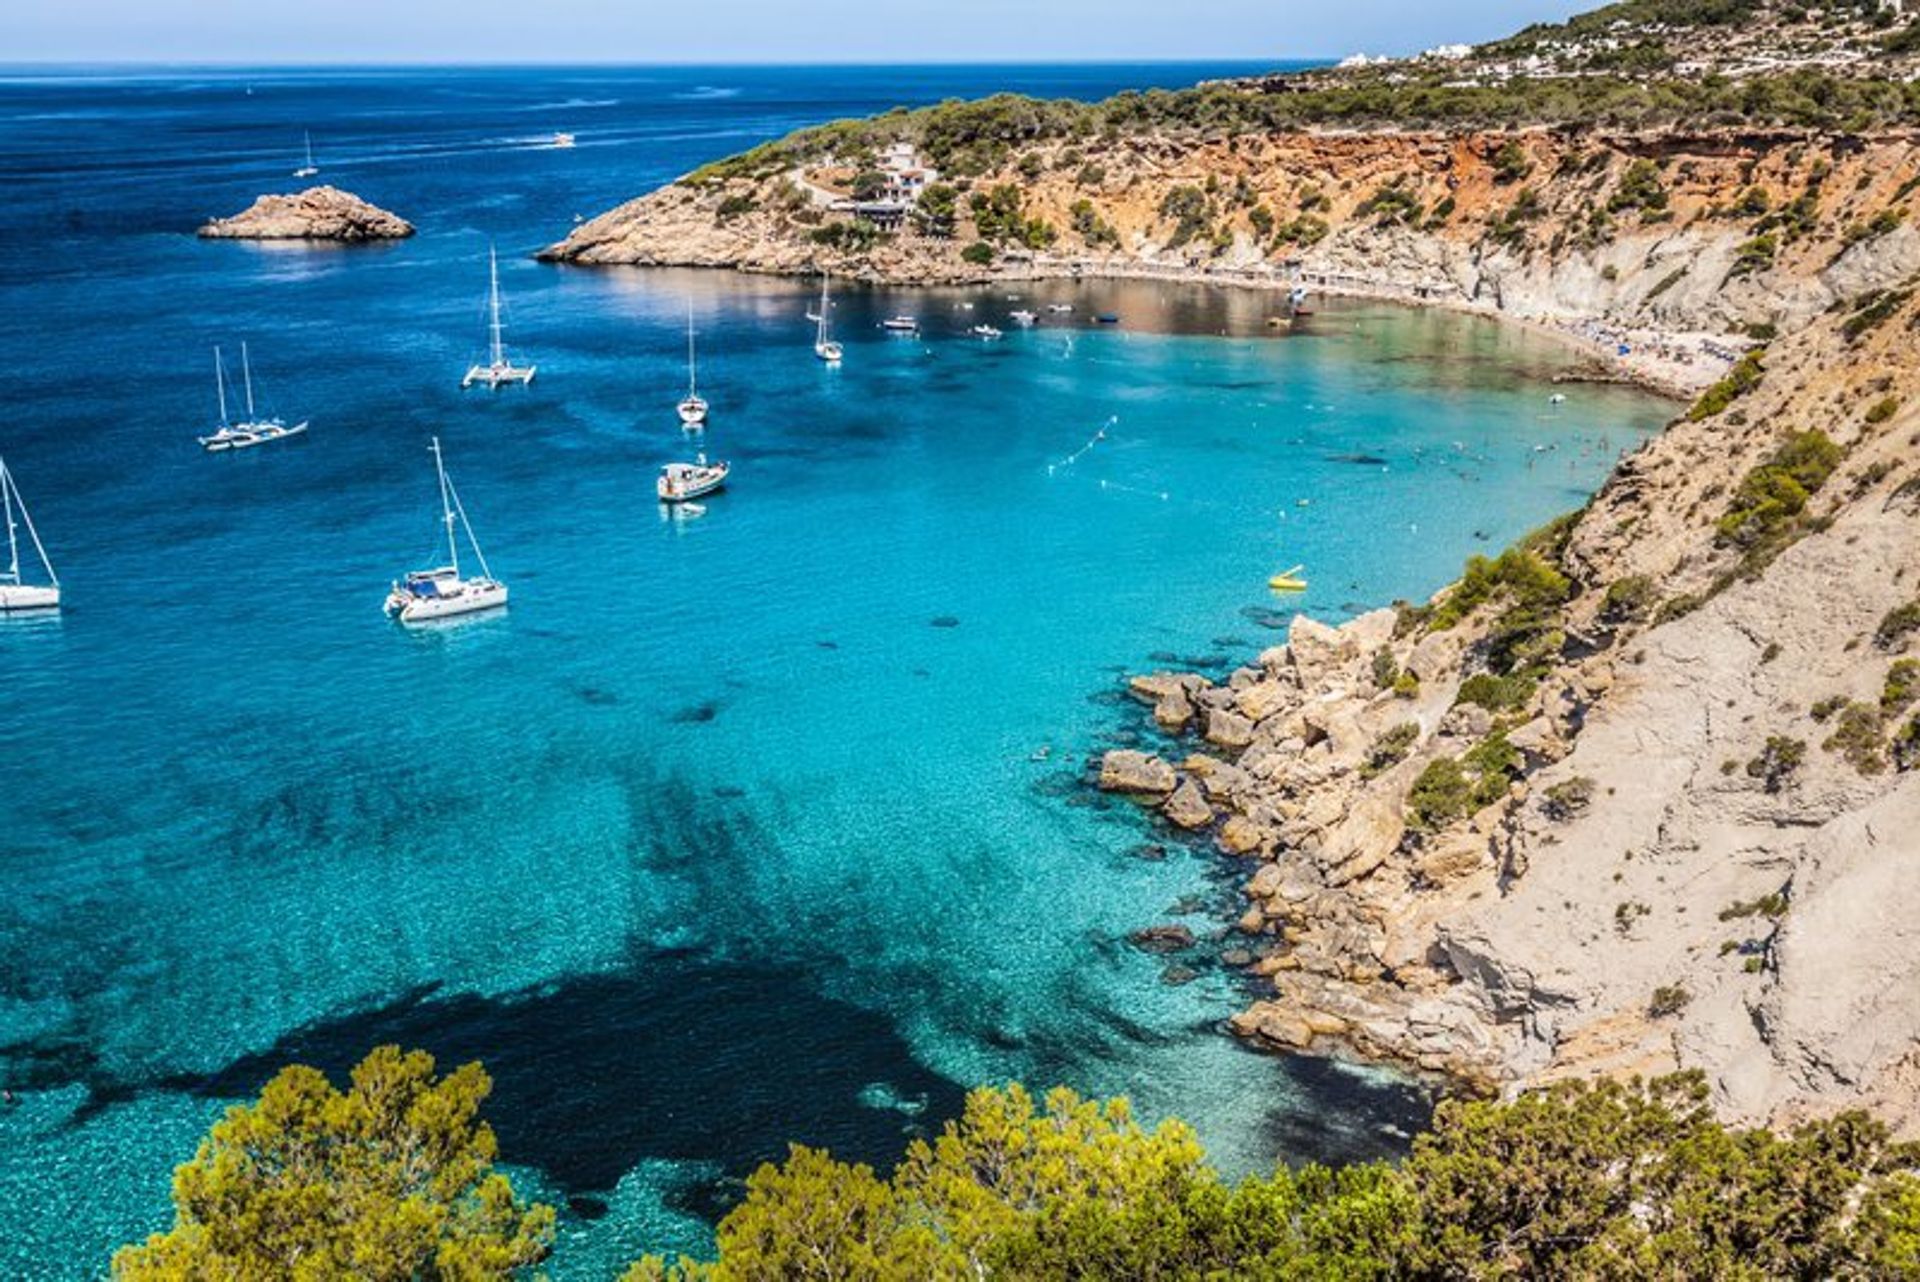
x=318, y=213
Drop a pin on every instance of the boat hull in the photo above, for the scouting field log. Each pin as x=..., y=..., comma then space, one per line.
x=494, y=377
x=693, y=412
x=472, y=600
x=685, y=489
x=19, y=597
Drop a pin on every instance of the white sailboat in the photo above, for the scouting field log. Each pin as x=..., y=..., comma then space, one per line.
x=442, y=592
x=498, y=368
x=825, y=348
x=15, y=592
x=253, y=430
x=693, y=407
x=309, y=169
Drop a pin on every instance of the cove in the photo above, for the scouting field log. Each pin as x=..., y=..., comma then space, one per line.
x=762, y=826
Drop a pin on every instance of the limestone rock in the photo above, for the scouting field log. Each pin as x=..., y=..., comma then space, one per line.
x=1187, y=807
x=318, y=213
x=1125, y=770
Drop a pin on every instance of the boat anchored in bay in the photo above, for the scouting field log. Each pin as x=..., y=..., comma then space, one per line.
x=442, y=592
x=682, y=482
x=253, y=430
x=16, y=594
x=309, y=169
x=823, y=347
x=498, y=369
x=693, y=406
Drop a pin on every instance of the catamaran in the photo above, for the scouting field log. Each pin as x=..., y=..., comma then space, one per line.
x=693, y=407
x=251, y=431
x=309, y=169
x=441, y=592
x=498, y=368
x=680, y=482
x=825, y=348
x=15, y=592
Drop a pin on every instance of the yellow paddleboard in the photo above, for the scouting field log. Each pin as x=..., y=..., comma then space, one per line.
x=1288, y=580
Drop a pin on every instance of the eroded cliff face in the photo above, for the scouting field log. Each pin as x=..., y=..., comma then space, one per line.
x=1707, y=231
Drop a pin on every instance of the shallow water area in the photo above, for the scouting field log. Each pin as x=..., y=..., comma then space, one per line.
x=761, y=825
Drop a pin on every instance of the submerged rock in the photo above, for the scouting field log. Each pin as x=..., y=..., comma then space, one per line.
x=318, y=213
x=1162, y=939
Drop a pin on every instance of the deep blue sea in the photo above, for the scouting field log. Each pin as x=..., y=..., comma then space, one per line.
x=765, y=825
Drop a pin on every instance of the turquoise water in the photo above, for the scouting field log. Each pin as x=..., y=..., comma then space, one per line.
x=768, y=824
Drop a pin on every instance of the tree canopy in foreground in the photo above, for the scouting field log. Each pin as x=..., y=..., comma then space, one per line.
x=392, y=1180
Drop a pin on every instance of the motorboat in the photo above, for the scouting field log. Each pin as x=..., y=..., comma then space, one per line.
x=681, y=482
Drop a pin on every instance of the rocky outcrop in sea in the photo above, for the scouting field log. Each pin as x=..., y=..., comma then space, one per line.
x=318, y=213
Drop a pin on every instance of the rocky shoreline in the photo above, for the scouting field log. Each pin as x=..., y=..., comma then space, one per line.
x=318, y=213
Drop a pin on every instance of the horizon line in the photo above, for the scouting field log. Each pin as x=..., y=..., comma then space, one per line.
x=34, y=64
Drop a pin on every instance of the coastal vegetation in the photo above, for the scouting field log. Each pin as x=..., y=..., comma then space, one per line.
x=390, y=1180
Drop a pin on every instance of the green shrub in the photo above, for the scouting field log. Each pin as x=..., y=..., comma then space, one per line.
x=1777, y=761
x=1905, y=748
x=1640, y=188
x=1390, y=749
x=1754, y=256
x=1386, y=670
x=1902, y=686
x=979, y=253
x=1883, y=409
x=1773, y=906
x=1668, y=1000
x=1873, y=311
x=1567, y=798
x=1441, y=795
x=735, y=205
x=1497, y=694
x=1859, y=736
x=1773, y=495
x=1510, y=163
x=1628, y=599
x=1897, y=625
x=1741, y=379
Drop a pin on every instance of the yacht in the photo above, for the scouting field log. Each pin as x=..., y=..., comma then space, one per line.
x=901, y=324
x=1023, y=318
x=680, y=482
x=563, y=140
x=1060, y=309
x=16, y=594
x=693, y=406
x=987, y=332
x=309, y=169
x=251, y=431
x=825, y=348
x=443, y=592
x=498, y=369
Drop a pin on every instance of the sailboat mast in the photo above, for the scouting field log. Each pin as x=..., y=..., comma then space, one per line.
x=220, y=383
x=446, y=507
x=692, y=377
x=246, y=373
x=14, y=500
x=821, y=334
x=309, y=134
x=13, y=542
x=493, y=296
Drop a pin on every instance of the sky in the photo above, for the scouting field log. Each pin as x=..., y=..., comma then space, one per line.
x=643, y=31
